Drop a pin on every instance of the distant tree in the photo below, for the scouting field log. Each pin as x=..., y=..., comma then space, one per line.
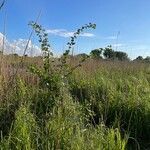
x=25, y=55
x=139, y=58
x=15, y=55
x=109, y=52
x=96, y=53
x=122, y=56
x=82, y=55
x=147, y=59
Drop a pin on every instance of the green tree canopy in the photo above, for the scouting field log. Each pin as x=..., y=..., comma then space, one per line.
x=147, y=59
x=139, y=58
x=96, y=53
x=121, y=55
x=109, y=52
x=82, y=55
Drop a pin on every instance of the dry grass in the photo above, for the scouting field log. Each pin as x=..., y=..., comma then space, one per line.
x=112, y=94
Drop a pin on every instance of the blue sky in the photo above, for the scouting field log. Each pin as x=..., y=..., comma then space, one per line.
x=61, y=17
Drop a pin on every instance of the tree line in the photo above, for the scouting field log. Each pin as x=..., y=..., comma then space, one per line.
x=110, y=54
x=107, y=53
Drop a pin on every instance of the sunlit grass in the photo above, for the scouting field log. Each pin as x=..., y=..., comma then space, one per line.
x=105, y=106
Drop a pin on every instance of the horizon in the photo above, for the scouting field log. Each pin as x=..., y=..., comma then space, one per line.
x=122, y=24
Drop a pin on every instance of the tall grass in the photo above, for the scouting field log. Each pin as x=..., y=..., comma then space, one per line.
x=65, y=127
x=101, y=105
x=104, y=106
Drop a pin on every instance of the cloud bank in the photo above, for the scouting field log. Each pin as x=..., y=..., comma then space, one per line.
x=18, y=46
x=64, y=33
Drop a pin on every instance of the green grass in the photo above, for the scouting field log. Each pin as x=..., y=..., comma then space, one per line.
x=105, y=106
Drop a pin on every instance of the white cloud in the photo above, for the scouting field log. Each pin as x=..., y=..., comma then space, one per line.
x=111, y=37
x=18, y=46
x=118, y=45
x=65, y=33
x=1, y=39
x=87, y=35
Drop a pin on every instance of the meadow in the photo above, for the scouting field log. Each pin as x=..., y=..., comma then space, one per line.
x=102, y=104
x=73, y=103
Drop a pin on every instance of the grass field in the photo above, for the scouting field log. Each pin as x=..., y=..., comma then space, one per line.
x=99, y=101
x=103, y=105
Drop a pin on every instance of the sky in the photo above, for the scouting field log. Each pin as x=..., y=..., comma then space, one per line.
x=124, y=24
